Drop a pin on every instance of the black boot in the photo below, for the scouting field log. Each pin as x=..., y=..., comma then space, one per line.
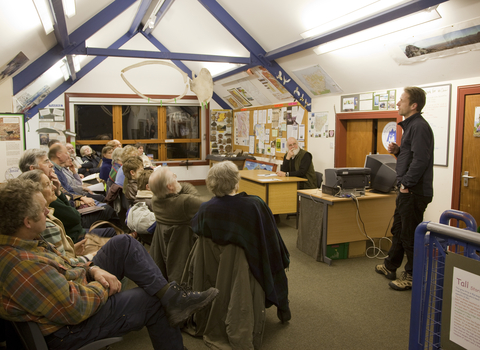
x=179, y=303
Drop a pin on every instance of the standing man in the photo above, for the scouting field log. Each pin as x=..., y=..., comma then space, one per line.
x=414, y=180
x=298, y=162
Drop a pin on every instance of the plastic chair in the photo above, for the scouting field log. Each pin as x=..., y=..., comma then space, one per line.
x=33, y=339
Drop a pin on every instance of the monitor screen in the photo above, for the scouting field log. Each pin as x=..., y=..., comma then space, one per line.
x=383, y=176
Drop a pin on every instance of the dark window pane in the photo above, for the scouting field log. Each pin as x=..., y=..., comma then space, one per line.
x=183, y=150
x=182, y=122
x=139, y=122
x=93, y=122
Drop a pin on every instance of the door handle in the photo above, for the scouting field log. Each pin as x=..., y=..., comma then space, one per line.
x=466, y=177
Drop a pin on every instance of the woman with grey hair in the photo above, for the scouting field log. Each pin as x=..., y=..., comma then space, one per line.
x=246, y=221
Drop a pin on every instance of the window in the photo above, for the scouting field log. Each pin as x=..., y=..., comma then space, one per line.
x=167, y=132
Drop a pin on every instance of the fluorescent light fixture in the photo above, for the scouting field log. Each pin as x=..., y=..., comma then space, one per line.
x=45, y=14
x=65, y=70
x=352, y=17
x=153, y=16
x=380, y=30
x=69, y=8
x=76, y=63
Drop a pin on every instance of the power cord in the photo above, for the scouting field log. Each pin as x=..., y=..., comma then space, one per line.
x=377, y=251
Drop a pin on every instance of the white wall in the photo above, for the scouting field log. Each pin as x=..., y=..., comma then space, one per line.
x=322, y=149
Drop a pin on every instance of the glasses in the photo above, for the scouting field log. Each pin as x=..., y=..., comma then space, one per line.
x=49, y=184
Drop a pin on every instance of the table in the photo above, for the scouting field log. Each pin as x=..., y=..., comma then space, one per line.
x=280, y=193
x=325, y=220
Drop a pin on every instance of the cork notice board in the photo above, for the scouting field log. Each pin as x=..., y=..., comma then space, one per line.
x=263, y=131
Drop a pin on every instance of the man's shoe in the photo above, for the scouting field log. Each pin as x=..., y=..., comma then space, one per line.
x=402, y=283
x=179, y=304
x=381, y=269
x=284, y=314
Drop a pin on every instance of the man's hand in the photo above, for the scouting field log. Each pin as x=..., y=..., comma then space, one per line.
x=88, y=201
x=281, y=173
x=107, y=280
x=54, y=178
x=393, y=148
x=290, y=154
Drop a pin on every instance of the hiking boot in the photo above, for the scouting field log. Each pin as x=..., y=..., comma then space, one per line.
x=381, y=269
x=284, y=314
x=402, y=283
x=179, y=304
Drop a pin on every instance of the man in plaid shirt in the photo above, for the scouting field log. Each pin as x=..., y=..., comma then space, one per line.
x=76, y=304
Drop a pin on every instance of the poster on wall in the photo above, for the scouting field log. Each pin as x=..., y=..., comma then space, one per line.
x=242, y=128
x=12, y=144
x=221, y=131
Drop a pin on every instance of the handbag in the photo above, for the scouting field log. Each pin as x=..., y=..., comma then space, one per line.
x=93, y=242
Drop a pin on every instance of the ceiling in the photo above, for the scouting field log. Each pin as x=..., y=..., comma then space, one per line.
x=229, y=37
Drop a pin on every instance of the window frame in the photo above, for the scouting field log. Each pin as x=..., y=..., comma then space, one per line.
x=118, y=100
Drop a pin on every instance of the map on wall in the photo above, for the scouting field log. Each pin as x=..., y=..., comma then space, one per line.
x=242, y=128
x=317, y=80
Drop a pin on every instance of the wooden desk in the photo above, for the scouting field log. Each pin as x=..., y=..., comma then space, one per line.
x=280, y=193
x=326, y=220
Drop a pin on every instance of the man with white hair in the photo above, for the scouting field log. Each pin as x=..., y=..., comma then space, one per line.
x=173, y=203
x=298, y=162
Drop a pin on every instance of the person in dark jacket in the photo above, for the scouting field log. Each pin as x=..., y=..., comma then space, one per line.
x=106, y=163
x=91, y=162
x=415, y=182
x=298, y=162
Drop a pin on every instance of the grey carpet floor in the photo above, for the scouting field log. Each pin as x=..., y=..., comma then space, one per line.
x=343, y=306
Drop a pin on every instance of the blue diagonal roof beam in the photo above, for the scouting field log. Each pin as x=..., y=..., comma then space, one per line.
x=163, y=10
x=69, y=83
x=43, y=63
x=61, y=33
x=257, y=51
x=386, y=16
x=183, y=67
x=137, y=21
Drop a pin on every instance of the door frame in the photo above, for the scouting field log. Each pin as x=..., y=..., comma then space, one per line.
x=341, y=120
x=462, y=92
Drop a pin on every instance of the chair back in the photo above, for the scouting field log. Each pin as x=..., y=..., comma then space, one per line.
x=319, y=179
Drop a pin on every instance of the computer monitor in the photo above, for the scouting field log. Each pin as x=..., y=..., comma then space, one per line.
x=383, y=176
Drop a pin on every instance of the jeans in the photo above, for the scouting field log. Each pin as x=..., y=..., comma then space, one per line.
x=128, y=310
x=409, y=211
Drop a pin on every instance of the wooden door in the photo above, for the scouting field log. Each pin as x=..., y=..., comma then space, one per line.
x=470, y=188
x=359, y=141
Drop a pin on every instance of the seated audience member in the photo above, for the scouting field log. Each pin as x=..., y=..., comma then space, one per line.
x=52, y=142
x=173, y=204
x=147, y=163
x=75, y=304
x=298, y=162
x=116, y=164
x=67, y=173
x=38, y=159
x=128, y=151
x=132, y=168
x=246, y=221
x=91, y=162
x=114, y=144
x=106, y=163
x=75, y=224
x=144, y=194
x=76, y=160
